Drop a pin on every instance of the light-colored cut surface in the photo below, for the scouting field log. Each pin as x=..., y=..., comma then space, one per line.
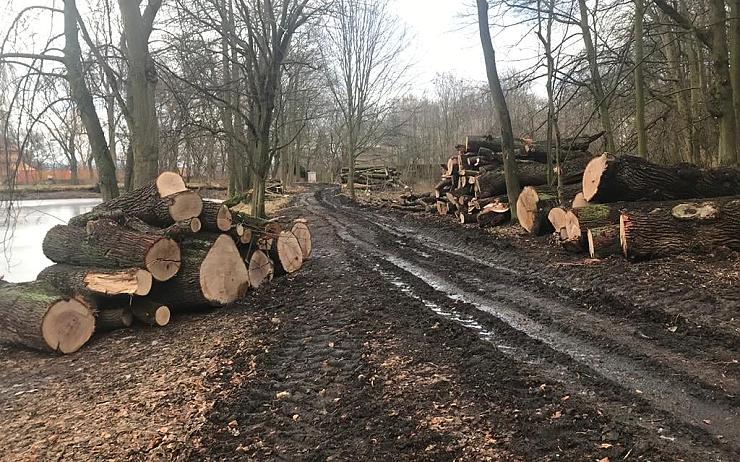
x=572, y=225
x=303, y=234
x=185, y=205
x=579, y=201
x=195, y=225
x=557, y=218
x=163, y=259
x=224, y=218
x=144, y=280
x=223, y=274
x=624, y=223
x=68, y=325
x=130, y=282
x=289, y=251
x=526, y=207
x=592, y=176
x=162, y=316
x=246, y=236
x=260, y=269
x=169, y=183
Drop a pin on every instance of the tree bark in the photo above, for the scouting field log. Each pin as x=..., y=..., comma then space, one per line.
x=86, y=106
x=724, y=110
x=490, y=184
x=640, y=80
x=215, y=217
x=37, y=315
x=513, y=187
x=681, y=227
x=90, y=282
x=630, y=178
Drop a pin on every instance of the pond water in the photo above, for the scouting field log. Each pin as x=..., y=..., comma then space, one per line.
x=23, y=231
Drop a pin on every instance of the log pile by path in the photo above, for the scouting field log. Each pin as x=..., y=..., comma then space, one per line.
x=373, y=178
x=156, y=251
x=608, y=205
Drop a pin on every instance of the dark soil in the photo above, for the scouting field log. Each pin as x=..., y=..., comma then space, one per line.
x=407, y=338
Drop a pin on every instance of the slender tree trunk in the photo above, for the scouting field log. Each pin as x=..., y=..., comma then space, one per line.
x=597, y=85
x=142, y=74
x=735, y=66
x=507, y=133
x=723, y=98
x=72, y=149
x=85, y=104
x=640, y=80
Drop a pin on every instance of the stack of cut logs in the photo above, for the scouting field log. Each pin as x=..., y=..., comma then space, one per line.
x=473, y=186
x=373, y=178
x=642, y=210
x=142, y=256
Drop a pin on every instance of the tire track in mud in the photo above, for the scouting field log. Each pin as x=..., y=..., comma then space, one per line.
x=686, y=402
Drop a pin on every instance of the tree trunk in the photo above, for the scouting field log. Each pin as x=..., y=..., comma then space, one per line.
x=597, y=87
x=86, y=106
x=630, y=178
x=723, y=96
x=109, y=245
x=212, y=273
x=490, y=184
x=735, y=66
x=142, y=76
x=38, y=316
x=507, y=133
x=681, y=227
x=89, y=282
x=640, y=80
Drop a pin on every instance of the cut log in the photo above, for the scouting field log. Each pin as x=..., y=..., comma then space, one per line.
x=88, y=282
x=303, y=234
x=604, y=242
x=37, y=315
x=494, y=215
x=215, y=217
x=467, y=218
x=286, y=253
x=630, y=178
x=150, y=313
x=212, y=273
x=163, y=202
x=261, y=269
x=533, y=148
x=113, y=319
x=532, y=210
x=681, y=227
x=109, y=245
x=579, y=201
x=443, y=207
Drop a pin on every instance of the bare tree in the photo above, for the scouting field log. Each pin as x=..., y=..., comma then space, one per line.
x=363, y=59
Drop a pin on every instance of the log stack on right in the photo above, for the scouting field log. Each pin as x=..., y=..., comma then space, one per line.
x=141, y=257
x=642, y=210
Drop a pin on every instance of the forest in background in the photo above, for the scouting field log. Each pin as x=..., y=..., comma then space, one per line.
x=239, y=91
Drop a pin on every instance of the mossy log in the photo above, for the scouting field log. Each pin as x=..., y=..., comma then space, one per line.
x=106, y=244
x=39, y=316
x=629, y=178
x=681, y=227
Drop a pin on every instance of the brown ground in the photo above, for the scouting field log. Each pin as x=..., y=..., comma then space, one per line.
x=407, y=338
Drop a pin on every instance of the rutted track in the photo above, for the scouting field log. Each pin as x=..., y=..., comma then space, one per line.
x=590, y=353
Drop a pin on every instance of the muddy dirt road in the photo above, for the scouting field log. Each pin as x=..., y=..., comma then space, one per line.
x=403, y=339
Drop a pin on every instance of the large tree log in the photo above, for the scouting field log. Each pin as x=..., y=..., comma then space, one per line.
x=215, y=217
x=91, y=282
x=150, y=313
x=491, y=184
x=303, y=234
x=37, y=315
x=161, y=203
x=261, y=269
x=630, y=178
x=494, y=215
x=286, y=253
x=212, y=273
x=681, y=227
x=533, y=148
x=604, y=242
x=176, y=231
x=105, y=244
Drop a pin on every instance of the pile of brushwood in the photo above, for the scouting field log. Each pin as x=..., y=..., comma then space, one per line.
x=605, y=205
x=157, y=250
x=373, y=178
